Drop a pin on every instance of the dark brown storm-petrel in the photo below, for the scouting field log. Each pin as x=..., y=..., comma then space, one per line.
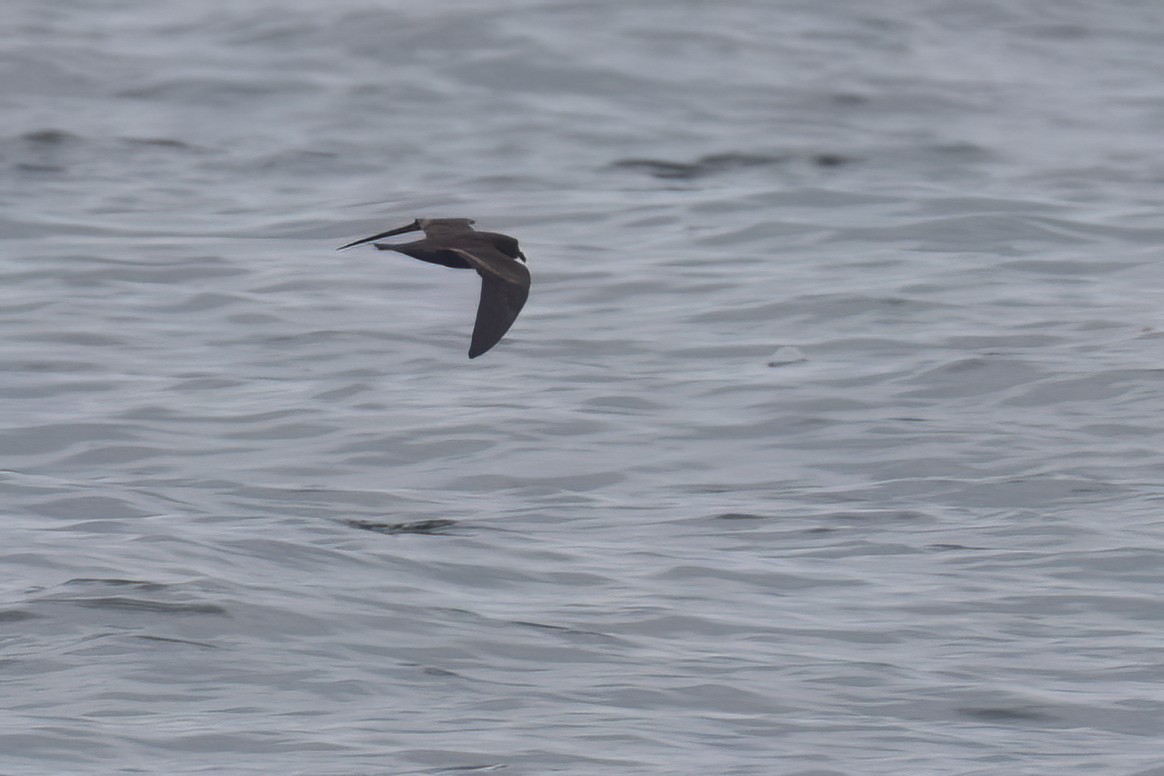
x=453, y=242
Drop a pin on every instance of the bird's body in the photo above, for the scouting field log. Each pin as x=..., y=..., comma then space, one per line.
x=452, y=242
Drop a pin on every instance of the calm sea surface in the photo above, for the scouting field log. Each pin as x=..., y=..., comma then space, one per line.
x=830, y=443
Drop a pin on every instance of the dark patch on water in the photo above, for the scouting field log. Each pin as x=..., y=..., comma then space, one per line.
x=713, y=164
x=157, y=142
x=849, y=98
x=436, y=527
x=704, y=165
x=831, y=160
x=49, y=137
x=1007, y=715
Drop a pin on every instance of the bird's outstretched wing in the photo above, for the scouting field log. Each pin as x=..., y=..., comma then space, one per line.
x=504, y=289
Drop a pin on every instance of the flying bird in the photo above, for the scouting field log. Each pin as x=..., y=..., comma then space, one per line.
x=453, y=242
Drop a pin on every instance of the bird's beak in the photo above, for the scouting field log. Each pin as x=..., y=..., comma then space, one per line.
x=413, y=227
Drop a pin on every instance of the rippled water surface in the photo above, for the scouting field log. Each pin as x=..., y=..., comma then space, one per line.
x=828, y=443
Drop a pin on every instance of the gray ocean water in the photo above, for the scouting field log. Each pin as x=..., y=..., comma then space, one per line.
x=829, y=443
